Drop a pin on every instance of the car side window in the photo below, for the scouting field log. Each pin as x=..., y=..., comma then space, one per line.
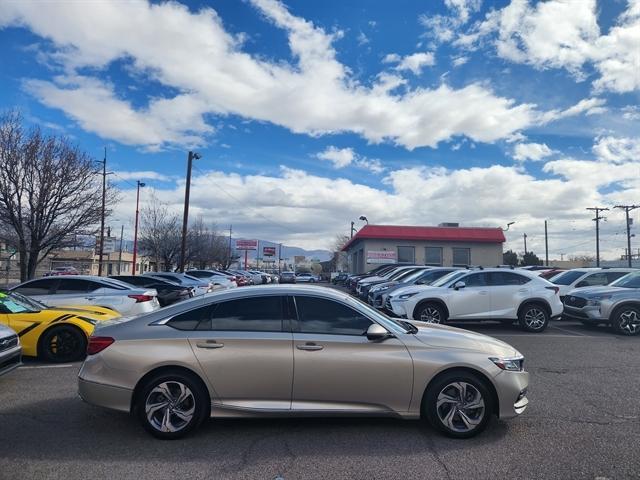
x=324, y=316
x=69, y=286
x=507, y=278
x=613, y=276
x=594, y=280
x=38, y=287
x=196, y=319
x=475, y=280
x=253, y=314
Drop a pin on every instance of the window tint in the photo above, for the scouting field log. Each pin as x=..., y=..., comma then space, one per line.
x=461, y=257
x=38, y=287
x=69, y=286
x=630, y=280
x=507, y=278
x=594, y=280
x=257, y=314
x=475, y=280
x=319, y=315
x=196, y=319
x=567, y=278
x=431, y=276
x=406, y=254
x=433, y=256
x=613, y=276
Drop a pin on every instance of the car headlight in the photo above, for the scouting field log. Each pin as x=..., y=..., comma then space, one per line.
x=381, y=288
x=513, y=364
x=595, y=301
x=406, y=296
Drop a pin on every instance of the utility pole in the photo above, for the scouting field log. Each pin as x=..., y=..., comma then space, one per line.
x=279, y=258
x=627, y=209
x=597, y=220
x=135, y=230
x=546, y=245
x=229, y=257
x=525, y=243
x=120, y=254
x=104, y=199
x=185, y=218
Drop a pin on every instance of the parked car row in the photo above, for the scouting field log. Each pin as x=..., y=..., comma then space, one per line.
x=506, y=294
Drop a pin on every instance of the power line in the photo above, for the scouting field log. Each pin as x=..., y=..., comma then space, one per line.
x=627, y=209
x=597, y=220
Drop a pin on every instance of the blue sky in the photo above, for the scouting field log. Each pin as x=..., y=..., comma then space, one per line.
x=310, y=114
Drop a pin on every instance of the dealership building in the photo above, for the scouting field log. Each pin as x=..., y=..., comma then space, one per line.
x=445, y=245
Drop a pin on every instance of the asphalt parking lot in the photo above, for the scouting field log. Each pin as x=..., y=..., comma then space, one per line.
x=583, y=422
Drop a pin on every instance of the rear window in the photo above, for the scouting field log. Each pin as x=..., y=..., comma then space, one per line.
x=567, y=278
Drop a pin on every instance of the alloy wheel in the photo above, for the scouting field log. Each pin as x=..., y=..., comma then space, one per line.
x=170, y=406
x=430, y=315
x=460, y=407
x=535, y=318
x=630, y=322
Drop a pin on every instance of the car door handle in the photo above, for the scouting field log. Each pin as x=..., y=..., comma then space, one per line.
x=89, y=298
x=210, y=344
x=309, y=346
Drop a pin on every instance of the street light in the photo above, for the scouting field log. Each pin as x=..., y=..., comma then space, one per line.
x=364, y=219
x=135, y=234
x=183, y=248
x=508, y=225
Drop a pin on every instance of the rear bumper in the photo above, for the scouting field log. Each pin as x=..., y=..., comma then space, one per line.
x=115, y=398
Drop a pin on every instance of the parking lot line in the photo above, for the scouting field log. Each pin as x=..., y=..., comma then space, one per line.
x=569, y=331
x=547, y=335
x=47, y=366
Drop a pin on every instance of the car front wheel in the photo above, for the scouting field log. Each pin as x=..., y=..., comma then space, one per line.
x=430, y=313
x=533, y=318
x=171, y=405
x=458, y=404
x=63, y=344
x=626, y=321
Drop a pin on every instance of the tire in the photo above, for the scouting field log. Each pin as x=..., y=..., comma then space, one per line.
x=177, y=417
x=62, y=344
x=626, y=320
x=430, y=313
x=533, y=317
x=448, y=411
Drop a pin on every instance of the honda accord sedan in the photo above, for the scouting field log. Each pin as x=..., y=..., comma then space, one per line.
x=232, y=354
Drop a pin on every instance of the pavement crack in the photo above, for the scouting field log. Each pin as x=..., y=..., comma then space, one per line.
x=436, y=454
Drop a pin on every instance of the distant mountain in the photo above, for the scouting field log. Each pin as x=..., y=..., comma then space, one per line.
x=288, y=252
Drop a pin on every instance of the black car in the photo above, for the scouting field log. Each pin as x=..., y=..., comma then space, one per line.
x=168, y=292
x=340, y=278
x=287, y=277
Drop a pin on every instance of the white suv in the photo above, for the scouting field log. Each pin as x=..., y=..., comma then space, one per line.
x=587, y=277
x=482, y=294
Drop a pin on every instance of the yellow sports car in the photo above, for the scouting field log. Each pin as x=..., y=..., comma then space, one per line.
x=55, y=334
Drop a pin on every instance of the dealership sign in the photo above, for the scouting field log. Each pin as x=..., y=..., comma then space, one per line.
x=381, y=256
x=268, y=251
x=246, y=244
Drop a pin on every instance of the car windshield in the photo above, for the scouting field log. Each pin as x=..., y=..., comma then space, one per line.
x=567, y=278
x=12, y=303
x=630, y=280
x=449, y=278
x=411, y=276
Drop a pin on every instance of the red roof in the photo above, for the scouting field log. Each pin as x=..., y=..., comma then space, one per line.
x=436, y=234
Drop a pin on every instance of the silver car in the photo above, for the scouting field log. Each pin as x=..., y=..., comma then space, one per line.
x=10, y=350
x=617, y=304
x=232, y=354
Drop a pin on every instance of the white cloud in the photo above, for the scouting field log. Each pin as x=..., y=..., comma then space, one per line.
x=463, y=8
x=362, y=39
x=617, y=150
x=344, y=157
x=458, y=61
x=414, y=62
x=531, y=151
x=340, y=157
x=141, y=175
x=565, y=34
x=631, y=112
x=315, y=94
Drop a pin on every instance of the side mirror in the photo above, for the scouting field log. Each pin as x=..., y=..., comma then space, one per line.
x=459, y=285
x=377, y=332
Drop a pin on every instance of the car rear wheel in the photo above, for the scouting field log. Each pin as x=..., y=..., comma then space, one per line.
x=458, y=404
x=170, y=405
x=626, y=321
x=430, y=313
x=533, y=318
x=63, y=343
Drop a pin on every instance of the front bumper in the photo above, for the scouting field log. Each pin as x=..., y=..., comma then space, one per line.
x=587, y=313
x=511, y=388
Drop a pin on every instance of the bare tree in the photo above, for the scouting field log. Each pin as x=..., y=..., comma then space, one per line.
x=339, y=259
x=206, y=247
x=49, y=191
x=160, y=233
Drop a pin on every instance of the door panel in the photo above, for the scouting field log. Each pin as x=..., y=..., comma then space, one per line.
x=472, y=301
x=508, y=290
x=351, y=373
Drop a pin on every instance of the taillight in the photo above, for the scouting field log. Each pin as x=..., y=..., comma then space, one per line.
x=141, y=298
x=555, y=289
x=97, y=344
